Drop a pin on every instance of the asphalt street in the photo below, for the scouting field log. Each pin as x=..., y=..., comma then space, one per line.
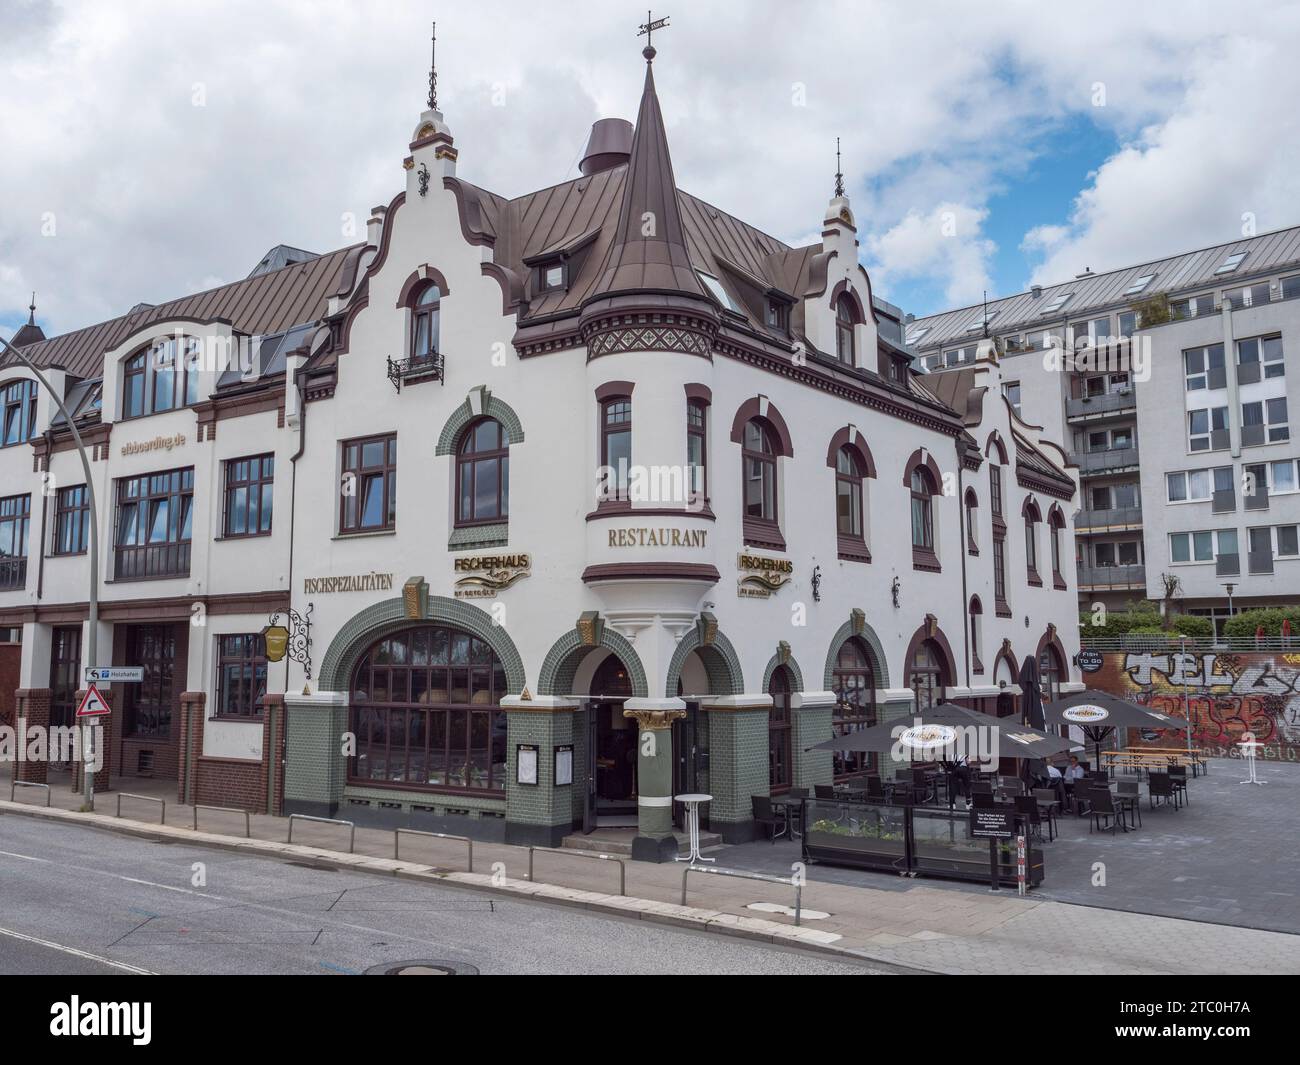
x=76, y=900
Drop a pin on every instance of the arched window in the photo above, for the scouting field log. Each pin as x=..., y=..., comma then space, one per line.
x=854, y=682
x=616, y=446
x=976, y=611
x=928, y=675
x=1055, y=523
x=780, y=747
x=162, y=377
x=1051, y=673
x=697, y=420
x=848, y=495
x=18, y=410
x=425, y=324
x=483, y=474
x=972, y=522
x=845, y=320
x=759, y=459
x=922, y=510
x=425, y=712
x=1032, y=518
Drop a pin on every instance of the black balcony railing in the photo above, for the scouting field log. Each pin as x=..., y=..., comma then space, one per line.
x=416, y=368
x=13, y=573
x=151, y=562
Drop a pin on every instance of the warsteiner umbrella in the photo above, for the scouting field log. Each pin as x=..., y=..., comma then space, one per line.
x=1099, y=714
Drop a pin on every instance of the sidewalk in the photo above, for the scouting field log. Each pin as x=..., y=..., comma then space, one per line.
x=920, y=927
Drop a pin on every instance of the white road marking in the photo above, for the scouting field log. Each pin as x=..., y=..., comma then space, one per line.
x=24, y=857
x=76, y=953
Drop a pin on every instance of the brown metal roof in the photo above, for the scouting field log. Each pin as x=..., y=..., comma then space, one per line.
x=265, y=304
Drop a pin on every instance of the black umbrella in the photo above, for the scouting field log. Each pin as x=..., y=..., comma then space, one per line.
x=1031, y=706
x=1100, y=713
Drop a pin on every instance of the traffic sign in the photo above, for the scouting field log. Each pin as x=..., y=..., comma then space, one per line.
x=114, y=674
x=93, y=704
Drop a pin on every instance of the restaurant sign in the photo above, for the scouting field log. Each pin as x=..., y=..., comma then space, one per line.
x=760, y=576
x=352, y=582
x=928, y=737
x=993, y=822
x=484, y=576
x=1085, y=714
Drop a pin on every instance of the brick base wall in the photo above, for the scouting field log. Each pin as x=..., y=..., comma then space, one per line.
x=31, y=705
x=11, y=658
x=238, y=782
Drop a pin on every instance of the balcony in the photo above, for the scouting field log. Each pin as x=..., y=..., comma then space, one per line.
x=1227, y=565
x=1260, y=561
x=1090, y=407
x=1253, y=435
x=1129, y=576
x=416, y=368
x=1224, y=501
x=1111, y=460
x=1115, y=517
x=13, y=574
x=1258, y=499
x=151, y=562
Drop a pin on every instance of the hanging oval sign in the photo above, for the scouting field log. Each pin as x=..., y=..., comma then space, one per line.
x=927, y=737
x=1085, y=714
x=276, y=638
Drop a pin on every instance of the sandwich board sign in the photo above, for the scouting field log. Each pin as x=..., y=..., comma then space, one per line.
x=93, y=704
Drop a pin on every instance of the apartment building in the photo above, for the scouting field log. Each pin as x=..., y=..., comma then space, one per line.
x=1177, y=409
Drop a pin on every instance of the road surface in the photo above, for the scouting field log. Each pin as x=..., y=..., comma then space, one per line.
x=79, y=900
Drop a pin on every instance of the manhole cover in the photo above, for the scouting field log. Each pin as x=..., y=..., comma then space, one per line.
x=422, y=967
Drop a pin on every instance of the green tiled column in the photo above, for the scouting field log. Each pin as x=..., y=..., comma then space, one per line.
x=315, y=765
x=738, y=767
x=540, y=814
x=654, y=840
x=811, y=724
x=894, y=712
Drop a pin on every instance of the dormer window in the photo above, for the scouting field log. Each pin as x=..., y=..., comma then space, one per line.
x=845, y=320
x=162, y=377
x=550, y=277
x=778, y=316
x=715, y=289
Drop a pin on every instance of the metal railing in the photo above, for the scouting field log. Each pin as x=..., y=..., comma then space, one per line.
x=1095, y=519
x=399, y=832
x=622, y=865
x=713, y=870
x=144, y=798
x=1112, y=576
x=28, y=784
x=1152, y=641
x=352, y=834
x=248, y=825
x=1116, y=458
x=1108, y=403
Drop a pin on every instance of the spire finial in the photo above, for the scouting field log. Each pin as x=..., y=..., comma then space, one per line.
x=433, y=71
x=32, y=307
x=647, y=30
x=839, y=170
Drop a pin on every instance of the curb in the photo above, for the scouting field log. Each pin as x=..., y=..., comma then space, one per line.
x=626, y=907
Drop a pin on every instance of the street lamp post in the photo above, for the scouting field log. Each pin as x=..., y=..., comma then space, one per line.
x=87, y=745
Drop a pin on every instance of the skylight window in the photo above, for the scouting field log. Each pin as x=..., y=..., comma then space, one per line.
x=718, y=292
x=1058, y=301
x=979, y=327
x=1139, y=284
x=1232, y=262
x=916, y=334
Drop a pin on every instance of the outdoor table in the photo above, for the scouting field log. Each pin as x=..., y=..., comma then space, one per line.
x=790, y=807
x=692, y=802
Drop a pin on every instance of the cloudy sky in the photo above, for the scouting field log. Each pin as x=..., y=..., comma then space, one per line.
x=154, y=148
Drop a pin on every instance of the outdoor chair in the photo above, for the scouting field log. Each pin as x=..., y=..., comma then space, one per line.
x=1178, y=778
x=1028, y=806
x=1128, y=797
x=765, y=815
x=1103, y=806
x=1048, y=803
x=875, y=789
x=1160, y=787
x=824, y=791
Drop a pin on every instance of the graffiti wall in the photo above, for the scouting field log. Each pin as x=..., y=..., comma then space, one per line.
x=1229, y=694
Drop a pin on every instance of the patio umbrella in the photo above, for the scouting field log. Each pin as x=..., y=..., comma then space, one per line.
x=1100, y=713
x=1031, y=706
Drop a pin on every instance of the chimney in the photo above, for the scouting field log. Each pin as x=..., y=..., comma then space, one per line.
x=1036, y=291
x=609, y=145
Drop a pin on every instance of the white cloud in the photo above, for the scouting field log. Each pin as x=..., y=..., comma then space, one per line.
x=310, y=104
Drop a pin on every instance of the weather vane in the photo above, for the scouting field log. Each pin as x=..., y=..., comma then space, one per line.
x=647, y=31
x=433, y=71
x=839, y=170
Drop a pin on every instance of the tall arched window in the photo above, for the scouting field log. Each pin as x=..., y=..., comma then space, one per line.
x=425, y=712
x=616, y=446
x=18, y=410
x=780, y=747
x=1055, y=524
x=976, y=610
x=848, y=495
x=972, y=522
x=845, y=320
x=1051, y=673
x=1032, y=518
x=697, y=420
x=928, y=675
x=162, y=377
x=922, y=510
x=483, y=474
x=854, y=682
x=759, y=459
x=425, y=324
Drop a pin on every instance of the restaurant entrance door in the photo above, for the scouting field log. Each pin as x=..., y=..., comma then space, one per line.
x=613, y=743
